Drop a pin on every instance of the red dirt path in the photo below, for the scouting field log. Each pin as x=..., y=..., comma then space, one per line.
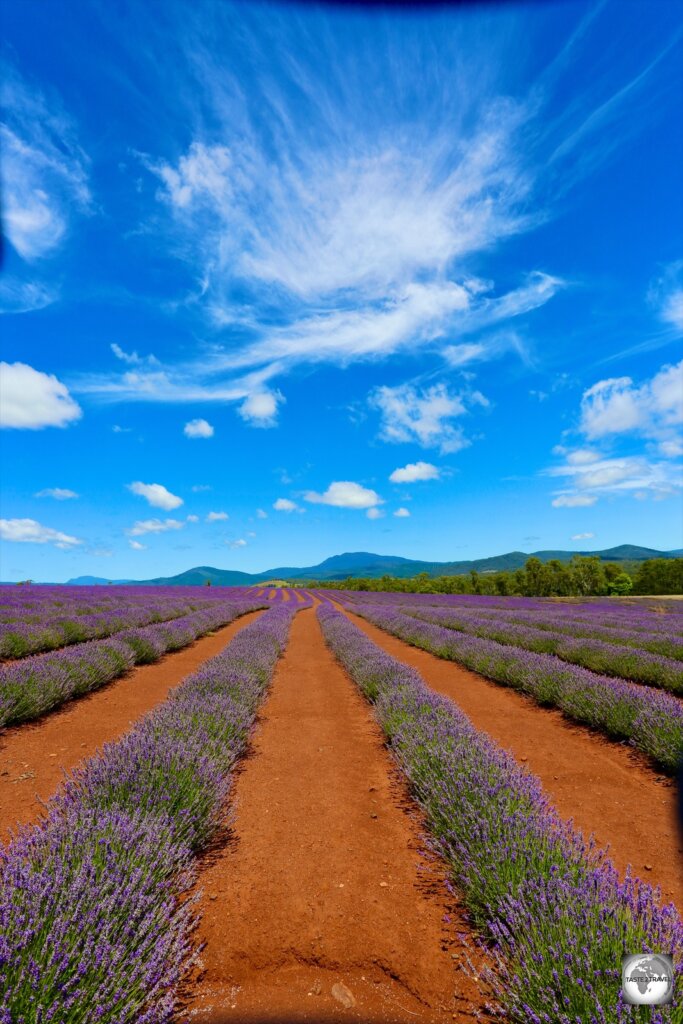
x=318, y=884
x=605, y=787
x=33, y=756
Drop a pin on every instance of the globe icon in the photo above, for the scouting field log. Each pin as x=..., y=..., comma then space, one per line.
x=647, y=979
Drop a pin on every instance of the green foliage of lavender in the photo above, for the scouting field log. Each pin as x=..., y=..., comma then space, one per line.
x=650, y=720
x=91, y=924
x=551, y=909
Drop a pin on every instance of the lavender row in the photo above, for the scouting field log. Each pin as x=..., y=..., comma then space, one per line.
x=34, y=685
x=650, y=720
x=95, y=919
x=607, y=614
x=555, y=917
x=20, y=638
x=669, y=645
x=609, y=658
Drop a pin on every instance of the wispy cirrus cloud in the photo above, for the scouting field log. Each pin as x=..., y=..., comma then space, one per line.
x=44, y=169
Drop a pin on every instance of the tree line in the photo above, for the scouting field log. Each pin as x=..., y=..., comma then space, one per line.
x=583, y=576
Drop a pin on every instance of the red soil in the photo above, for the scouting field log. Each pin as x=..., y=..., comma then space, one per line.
x=34, y=756
x=319, y=883
x=606, y=788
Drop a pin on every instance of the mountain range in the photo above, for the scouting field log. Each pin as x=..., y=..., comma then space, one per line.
x=365, y=563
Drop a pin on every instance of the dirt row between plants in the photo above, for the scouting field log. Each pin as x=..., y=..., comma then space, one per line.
x=606, y=788
x=317, y=904
x=34, y=756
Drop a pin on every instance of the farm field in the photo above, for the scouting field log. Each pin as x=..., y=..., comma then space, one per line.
x=302, y=873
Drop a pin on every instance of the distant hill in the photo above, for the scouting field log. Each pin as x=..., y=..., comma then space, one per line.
x=365, y=563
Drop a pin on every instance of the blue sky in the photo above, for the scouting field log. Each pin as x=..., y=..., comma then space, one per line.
x=283, y=281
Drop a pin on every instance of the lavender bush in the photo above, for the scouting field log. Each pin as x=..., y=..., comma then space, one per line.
x=550, y=907
x=91, y=924
x=609, y=658
x=34, y=685
x=650, y=720
x=46, y=618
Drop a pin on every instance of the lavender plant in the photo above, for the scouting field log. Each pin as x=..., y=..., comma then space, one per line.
x=650, y=720
x=94, y=924
x=609, y=658
x=549, y=906
x=34, y=685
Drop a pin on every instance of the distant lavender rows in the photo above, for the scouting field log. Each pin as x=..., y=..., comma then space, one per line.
x=648, y=719
x=95, y=923
x=34, y=685
x=556, y=917
x=612, y=614
x=612, y=658
x=34, y=619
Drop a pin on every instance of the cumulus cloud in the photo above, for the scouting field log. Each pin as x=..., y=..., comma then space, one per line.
x=156, y=494
x=58, y=493
x=198, y=428
x=285, y=505
x=191, y=519
x=31, y=400
x=345, y=494
x=415, y=471
x=217, y=517
x=574, y=501
x=28, y=531
x=241, y=543
x=260, y=408
x=261, y=514
x=618, y=406
x=375, y=513
x=422, y=416
x=641, y=420
x=402, y=513
x=142, y=526
x=583, y=536
x=136, y=545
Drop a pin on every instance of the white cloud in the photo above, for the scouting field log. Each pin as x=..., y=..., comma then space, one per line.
x=402, y=513
x=59, y=493
x=422, y=416
x=260, y=408
x=136, y=545
x=28, y=531
x=415, y=471
x=31, y=400
x=198, y=428
x=345, y=494
x=217, y=517
x=617, y=406
x=285, y=505
x=583, y=536
x=191, y=519
x=17, y=296
x=574, y=501
x=156, y=494
x=666, y=295
x=44, y=170
x=459, y=355
x=261, y=514
x=200, y=488
x=241, y=543
x=142, y=526
x=121, y=430
x=375, y=513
